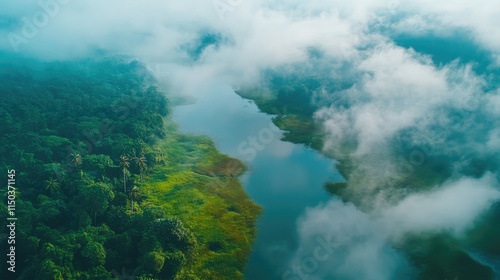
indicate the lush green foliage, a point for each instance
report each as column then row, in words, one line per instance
column 290, row 99
column 89, row 141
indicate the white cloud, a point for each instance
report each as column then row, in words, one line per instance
column 451, row 208
column 396, row 90
column 361, row 245
column 344, row 243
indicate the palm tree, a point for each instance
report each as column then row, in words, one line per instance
column 76, row 159
column 52, row 185
column 141, row 163
column 134, row 194
column 124, row 163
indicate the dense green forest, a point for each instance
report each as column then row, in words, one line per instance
column 105, row 185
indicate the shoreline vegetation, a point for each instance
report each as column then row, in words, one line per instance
column 202, row 189
column 107, row 186
column 435, row 256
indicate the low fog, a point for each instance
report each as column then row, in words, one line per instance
column 399, row 99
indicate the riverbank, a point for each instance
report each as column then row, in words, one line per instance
column 283, row 178
column 295, row 117
column 201, row 187
column 109, row 186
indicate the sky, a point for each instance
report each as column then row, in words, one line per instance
column 449, row 107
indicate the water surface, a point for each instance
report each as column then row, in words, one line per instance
column 284, row 178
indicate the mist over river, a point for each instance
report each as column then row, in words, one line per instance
column 283, row 178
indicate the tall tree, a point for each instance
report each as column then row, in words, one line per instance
column 124, row 163
column 141, row 163
column 97, row 198
column 52, row 185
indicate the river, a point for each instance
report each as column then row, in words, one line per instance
column 283, row 178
